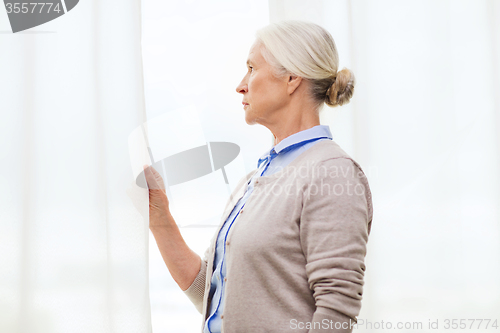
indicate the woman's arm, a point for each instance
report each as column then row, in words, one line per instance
column 334, row 232
column 182, row 262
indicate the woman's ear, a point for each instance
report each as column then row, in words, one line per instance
column 293, row 83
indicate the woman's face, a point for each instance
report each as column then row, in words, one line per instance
column 264, row 95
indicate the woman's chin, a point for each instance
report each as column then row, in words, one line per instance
column 249, row 121
column 248, row 118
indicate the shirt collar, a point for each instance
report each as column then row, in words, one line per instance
column 296, row 139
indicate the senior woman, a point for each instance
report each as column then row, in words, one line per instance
column 289, row 253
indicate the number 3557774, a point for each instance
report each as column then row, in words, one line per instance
column 32, row 7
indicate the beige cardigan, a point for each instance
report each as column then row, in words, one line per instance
column 295, row 254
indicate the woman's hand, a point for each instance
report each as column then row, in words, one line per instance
column 159, row 213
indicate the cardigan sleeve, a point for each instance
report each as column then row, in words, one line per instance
column 334, row 228
column 196, row 290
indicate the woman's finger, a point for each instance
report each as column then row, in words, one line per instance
column 155, row 173
column 159, row 179
column 150, row 178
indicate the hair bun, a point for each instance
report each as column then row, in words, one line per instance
column 342, row 88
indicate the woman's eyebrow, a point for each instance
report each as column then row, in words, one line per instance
column 248, row 62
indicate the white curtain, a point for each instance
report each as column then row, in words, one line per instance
column 73, row 248
column 424, row 123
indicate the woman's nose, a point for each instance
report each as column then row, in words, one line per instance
column 242, row 87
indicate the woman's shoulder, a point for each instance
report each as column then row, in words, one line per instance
column 328, row 151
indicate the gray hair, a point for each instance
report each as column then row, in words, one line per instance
column 307, row 50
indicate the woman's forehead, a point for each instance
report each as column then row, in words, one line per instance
column 254, row 55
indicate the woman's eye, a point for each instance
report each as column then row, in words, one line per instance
column 250, row 69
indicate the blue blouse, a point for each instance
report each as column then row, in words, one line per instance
column 272, row 161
